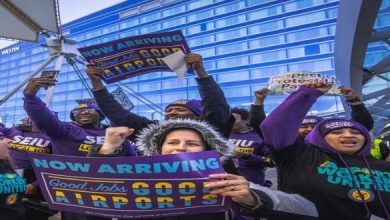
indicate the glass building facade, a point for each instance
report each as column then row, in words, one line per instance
column 243, row 43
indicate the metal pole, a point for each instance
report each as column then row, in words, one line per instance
column 32, row 74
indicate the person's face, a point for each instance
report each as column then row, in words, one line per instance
column 178, row 112
column 305, row 129
column 345, row 140
column 182, row 141
column 4, row 152
column 86, row 116
column 238, row 123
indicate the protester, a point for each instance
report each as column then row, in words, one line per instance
column 68, row 138
column 26, row 137
column 253, row 155
column 184, row 136
column 359, row 113
column 380, row 150
column 213, row 107
column 12, row 185
column 332, row 167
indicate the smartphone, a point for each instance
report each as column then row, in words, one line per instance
column 50, row 73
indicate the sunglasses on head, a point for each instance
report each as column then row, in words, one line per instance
column 83, row 110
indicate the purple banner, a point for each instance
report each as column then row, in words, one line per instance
column 135, row 55
column 130, row 187
column 119, row 96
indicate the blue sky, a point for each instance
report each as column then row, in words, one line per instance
column 73, row 9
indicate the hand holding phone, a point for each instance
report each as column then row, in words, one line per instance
column 50, row 73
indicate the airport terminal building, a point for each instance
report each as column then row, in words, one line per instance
column 243, row 43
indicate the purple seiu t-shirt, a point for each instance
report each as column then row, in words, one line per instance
column 24, row 142
column 67, row 138
column 252, row 166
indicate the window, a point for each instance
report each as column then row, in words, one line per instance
column 313, row 66
column 150, row 17
column 150, row 28
column 250, row 3
column 230, row 21
column 236, row 33
column 266, row 42
column 174, row 11
column 299, row 4
column 238, row 91
column 145, row 87
column 307, row 34
column 129, row 33
column 175, row 83
column 92, row 34
column 233, row 62
column 206, row 52
column 268, row 56
column 265, row 27
column 233, row 76
column 168, row 98
column 230, row 7
column 128, row 24
column 200, row 15
column 110, row 29
column 263, row 13
column 198, row 4
column 174, row 22
column 266, row 72
column 201, row 40
column 232, row 48
column 305, row 19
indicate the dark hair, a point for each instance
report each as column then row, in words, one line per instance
column 241, row 111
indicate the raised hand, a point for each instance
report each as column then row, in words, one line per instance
column 114, row 138
column 195, row 61
column 260, row 95
column 35, row 84
column 234, row 186
column 95, row 73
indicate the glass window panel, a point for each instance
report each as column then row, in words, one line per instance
column 201, row 40
column 110, row 29
column 174, row 10
column 237, row 91
column 226, row 35
column 174, row 22
column 175, row 83
column 193, row 29
column 265, row 12
column 150, row 28
column 232, row 48
column 233, row 62
column 307, row 34
column 296, row 52
column 198, row 4
column 268, row 56
column 200, row 15
column 129, row 33
column 168, row 98
column 92, row 34
column 230, row 7
column 313, row 65
column 305, row 19
column 150, row 17
column 233, row 76
column 145, row 87
column 265, row 27
column 266, row 41
column 129, row 23
column 206, row 52
column 250, row 3
column 236, row 19
column 299, row 4
column 266, row 72
column 209, row 65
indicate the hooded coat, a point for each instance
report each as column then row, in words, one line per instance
column 341, row 186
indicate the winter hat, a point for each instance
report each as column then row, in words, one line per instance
column 193, row 105
column 87, row 105
column 149, row 140
column 311, row 119
column 334, row 124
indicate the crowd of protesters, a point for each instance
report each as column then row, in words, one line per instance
column 327, row 168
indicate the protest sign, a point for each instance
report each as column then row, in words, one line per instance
column 130, row 187
column 134, row 55
column 289, row 82
column 119, row 96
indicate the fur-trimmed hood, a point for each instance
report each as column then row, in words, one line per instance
column 149, row 138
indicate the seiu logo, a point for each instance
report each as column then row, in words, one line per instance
column 241, row 143
column 30, row 141
column 94, row 140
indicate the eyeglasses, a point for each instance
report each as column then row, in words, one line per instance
column 83, row 110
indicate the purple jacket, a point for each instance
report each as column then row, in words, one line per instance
column 67, row 138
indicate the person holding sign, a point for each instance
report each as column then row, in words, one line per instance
column 176, row 136
column 213, row 107
column 26, row 137
column 12, row 185
column 332, row 167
